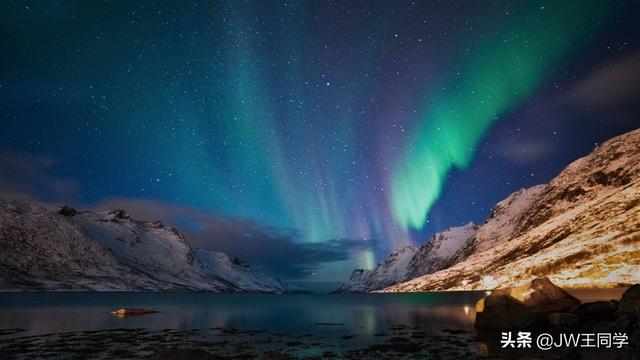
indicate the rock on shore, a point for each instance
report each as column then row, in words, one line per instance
column 543, row 304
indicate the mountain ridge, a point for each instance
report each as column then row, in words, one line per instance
column 108, row 251
column 409, row 262
column 580, row 229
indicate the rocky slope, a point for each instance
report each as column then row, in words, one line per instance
column 240, row 275
column 438, row 253
column 581, row 230
column 392, row 271
column 68, row 250
column 501, row 225
column 408, row 262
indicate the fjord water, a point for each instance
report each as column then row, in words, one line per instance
column 344, row 320
column 366, row 314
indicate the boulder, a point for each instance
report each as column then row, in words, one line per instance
column 501, row 311
column 630, row 302
column 131, row 311
column 563, row 319
column 541, row 295
column 67, row 210
column 115, row 215
column 623, row 323
column 156, row 224
column 634, row 344
column 595, row 311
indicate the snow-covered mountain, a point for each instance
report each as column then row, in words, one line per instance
column 408, row 262
column 44, row 249
column 438, row 253
column 501, row 225
column 392, row 271
column 580, row 230
column 239, row 274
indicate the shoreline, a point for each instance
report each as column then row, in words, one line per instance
column 376, row 292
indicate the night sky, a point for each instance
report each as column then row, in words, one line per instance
column 307, row 137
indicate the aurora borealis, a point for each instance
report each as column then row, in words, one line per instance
column 351, row 127
column 495, row 78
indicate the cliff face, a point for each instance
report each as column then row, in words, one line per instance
column 68, row 250
column 581, row 230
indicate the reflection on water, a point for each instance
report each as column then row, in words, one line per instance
column 41, row 313
column 346, row 320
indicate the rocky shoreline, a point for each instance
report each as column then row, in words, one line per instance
column 396, row 342
column 542, row 307
column 538, row 307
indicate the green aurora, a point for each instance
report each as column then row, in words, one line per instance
column 497, row 77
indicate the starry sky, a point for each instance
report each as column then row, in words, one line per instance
column 307, row 137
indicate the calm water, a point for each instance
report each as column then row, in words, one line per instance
column 42, row 313
column 333, row 317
